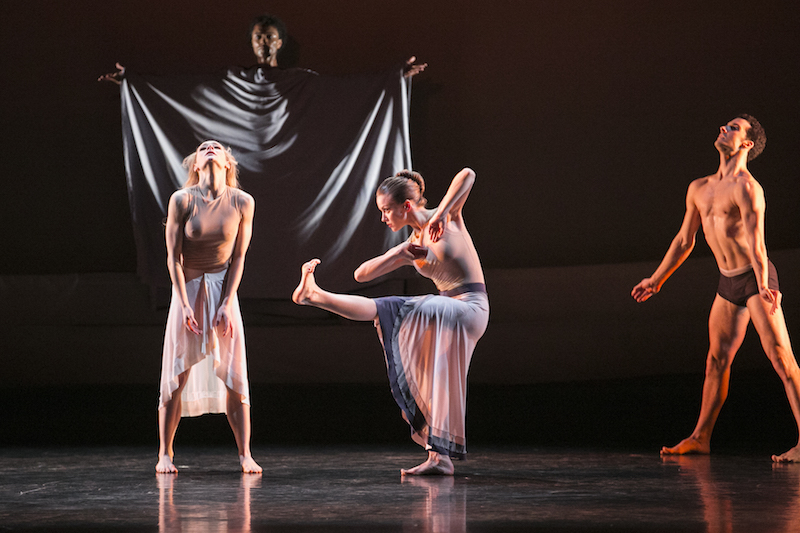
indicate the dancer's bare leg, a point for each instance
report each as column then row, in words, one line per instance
column 727, row 325
column 775, row 341
column 168, row 418
column 239, row 420
column 346, row 305
column 436, row 465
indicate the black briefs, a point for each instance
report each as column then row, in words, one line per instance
column 738, row 289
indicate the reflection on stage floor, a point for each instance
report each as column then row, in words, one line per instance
column 360, row 489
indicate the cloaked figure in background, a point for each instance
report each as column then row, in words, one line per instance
column 272, row 116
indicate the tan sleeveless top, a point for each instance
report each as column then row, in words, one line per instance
column 451, row 262
column 211, row 229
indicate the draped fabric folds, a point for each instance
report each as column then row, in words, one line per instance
column 312, row 150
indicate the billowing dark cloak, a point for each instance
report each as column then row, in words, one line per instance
column 312, row 150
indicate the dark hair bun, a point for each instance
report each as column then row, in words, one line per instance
column 416, row 177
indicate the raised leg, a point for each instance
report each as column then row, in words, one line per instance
column 775, row 341
column 168, row 418
column 727, row 325
column 349, row 306
column 239, row 420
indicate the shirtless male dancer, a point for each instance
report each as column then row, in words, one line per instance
column 729, row 205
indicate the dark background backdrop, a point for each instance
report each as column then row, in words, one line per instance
column 585, row 121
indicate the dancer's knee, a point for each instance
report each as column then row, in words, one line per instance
column 784, row 363
column 718, row 361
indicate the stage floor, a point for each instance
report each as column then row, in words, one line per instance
column 360, row 489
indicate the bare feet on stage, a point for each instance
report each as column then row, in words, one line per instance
column 165, row 465
column 249, row 466
column 792, row 456
column 305, row 290
column 688, row 446
column 436, row 465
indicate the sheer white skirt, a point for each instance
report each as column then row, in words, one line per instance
column 216, row 362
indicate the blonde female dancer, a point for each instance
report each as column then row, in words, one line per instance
column 428, row 340
column 209, row 225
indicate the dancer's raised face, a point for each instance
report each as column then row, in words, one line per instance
column 211, row 151
column 733, row 136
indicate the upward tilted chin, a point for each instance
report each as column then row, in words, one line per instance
column 725, row 150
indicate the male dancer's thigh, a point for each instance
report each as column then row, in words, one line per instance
column 727, row 325
column 771, row 328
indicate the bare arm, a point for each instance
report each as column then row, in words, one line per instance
column 406, row 253
column 176, row 218
column 752, row 206
column 403, row 254
column 236, row 269
column 680, row 248
column 452, row 203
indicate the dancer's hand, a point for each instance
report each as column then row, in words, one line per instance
column 411, row 68
column 436, row 227
column 771, row 296
column 189, row 321
column 223, row 321
column 417, row 251
column 114, row 77
column 644, row 290
column 410, row 252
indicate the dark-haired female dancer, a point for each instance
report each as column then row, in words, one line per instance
column 428, row 340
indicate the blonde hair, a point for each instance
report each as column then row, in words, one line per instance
column 193, row 178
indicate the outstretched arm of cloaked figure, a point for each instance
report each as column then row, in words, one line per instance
column 412, row 68
column 114, row 77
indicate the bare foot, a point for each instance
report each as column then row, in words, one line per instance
column 687, row 446
column 249, row 466
column 792, row 456
column 165, row 465
column 305, row 290
column 436, row 465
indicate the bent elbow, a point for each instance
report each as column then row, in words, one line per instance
column 364, row 274
column 684, row 246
